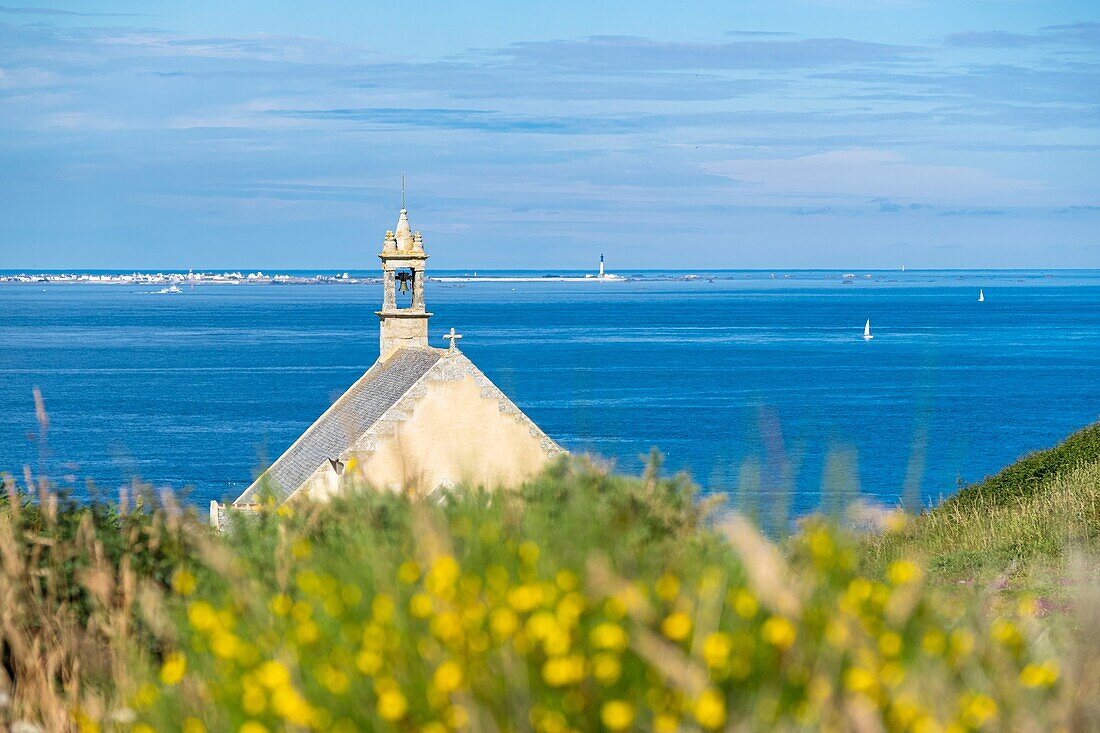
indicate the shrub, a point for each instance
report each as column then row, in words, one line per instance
column 581, row 601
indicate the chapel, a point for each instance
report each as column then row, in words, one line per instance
column 420, row 419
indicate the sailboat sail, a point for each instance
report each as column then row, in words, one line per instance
column 981, row 295
column 867, row 330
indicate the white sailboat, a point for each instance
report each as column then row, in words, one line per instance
column 867, row 331
column 981, row 295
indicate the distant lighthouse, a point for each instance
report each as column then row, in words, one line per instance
column 601, row 266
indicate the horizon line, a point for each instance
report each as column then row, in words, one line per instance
column 275, row 270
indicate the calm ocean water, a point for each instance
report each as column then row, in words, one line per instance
column 732, row 376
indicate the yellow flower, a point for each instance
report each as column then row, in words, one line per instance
column 903, row 572
column 420, row 605
column 441, row 577
column 821, row 544
column 447, row 626
column 926, row 724
column 779, row 632
column 146, row 695
column 667, row 587
column 171, row 672
column 306, row 632
column 333, row 679
column 616, row 715
column 744, row 604
column 859, row 590
column 503, row 622
column 556, row 641
column 609, row 636
column 252, row 726
column 676, row 626
column 858, row 679
column 1028, row 605
column 933, row 643
column 202, row 616
column 292, row 706
column 193, row 725
column 548, row 721
column 1006, row 632
column 368, row 662
column 273, row 674
column 665, row 723
column 456, row 717
column 892, row 674
column 570, row 608
column 614, row 607
column 889, row 644
column 280, row 604
column 301, row 549
column 566, row 580
column 525, row 597
column 224, row 644
column 183, row 582
column 904, row 711
column 710, row 709
column 977, row 709
column 392, row 705
column 447, row 677
column 528, row 553
column 717, row 648
column 962, row 642
column 351, row 594
column 382, row 608
column 606, row 668
column 1039, row 675
column 562, row 671
column 139, row 728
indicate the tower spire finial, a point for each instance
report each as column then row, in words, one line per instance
column 402, row 189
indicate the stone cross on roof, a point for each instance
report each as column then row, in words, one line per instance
column 453, row 338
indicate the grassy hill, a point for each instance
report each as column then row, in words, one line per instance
column 1017, row 530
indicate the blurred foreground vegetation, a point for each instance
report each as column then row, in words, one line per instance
column 582, row 601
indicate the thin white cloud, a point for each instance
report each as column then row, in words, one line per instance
column 841, row 174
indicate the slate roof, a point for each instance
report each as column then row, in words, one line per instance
column 343, row 423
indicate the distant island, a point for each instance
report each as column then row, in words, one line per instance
column 262, row 278
column 173, row 280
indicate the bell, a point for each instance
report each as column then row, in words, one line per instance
column 404, row 285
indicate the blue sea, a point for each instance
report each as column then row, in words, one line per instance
column 757, row 385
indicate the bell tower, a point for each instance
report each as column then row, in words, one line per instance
column 404, row 319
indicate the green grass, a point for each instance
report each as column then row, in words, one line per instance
column 1017, row 530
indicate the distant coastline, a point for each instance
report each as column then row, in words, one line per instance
column 175, row 281
column 178, row 279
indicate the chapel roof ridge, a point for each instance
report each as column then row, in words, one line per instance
column 351, row 415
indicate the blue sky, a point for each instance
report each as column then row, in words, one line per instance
column 779, row 134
